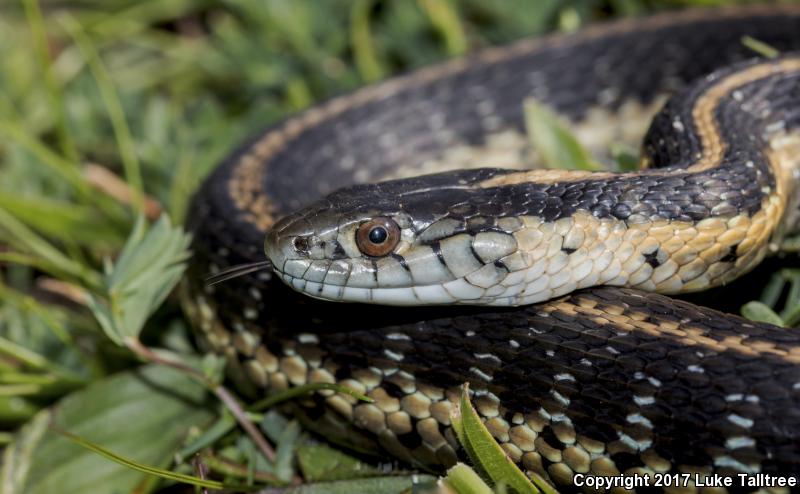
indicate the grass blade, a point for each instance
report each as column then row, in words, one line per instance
column 444, row 18
column 273, row 400
column 554, row 143
column 760, row 48
column 122, row 132
column 36, row 23
column 26, row 239
column 362, row 42
column 158, row 472
column 55, row 162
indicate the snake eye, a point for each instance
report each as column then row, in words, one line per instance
column 377, row 237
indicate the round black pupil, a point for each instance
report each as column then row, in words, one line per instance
column 378, row 235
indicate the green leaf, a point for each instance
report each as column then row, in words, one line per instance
column 756, row 311
column 220, row 428
column 19, row 455
column 150, row 470
column 378, row 485
column 464, row 480
column 150, row 265
column 791, row 244
column 625, row 158
column 569, row 20
column 554, row 143
column 284, row 452
column 272, row 424
column 320, row 462
column 773, row 289
column 485, row 452
column 790, row 314
column 142, row 414
column 16, row 409
column 213, row 367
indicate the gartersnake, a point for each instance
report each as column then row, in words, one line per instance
column 601, row 381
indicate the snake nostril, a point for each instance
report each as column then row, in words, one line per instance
column 300, row 244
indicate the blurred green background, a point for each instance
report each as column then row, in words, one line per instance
column 103, row 102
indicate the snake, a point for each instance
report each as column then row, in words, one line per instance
column 421, row 201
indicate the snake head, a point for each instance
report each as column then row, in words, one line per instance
column 436, row 239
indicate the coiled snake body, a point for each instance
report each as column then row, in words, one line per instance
column 607, row 379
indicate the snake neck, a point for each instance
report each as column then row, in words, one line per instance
column 719, row 194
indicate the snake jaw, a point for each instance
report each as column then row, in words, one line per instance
column 440, row 259
column 423, row 270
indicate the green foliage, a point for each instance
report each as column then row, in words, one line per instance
column 464, row 480
column 553, row 141
column 757, row 311
column 321, row 463
column 394, row 484
column 782, row 290
column 487, row 455
column 760, row 48
column 130, row 464
column 275, row 399
column 149, row 266
column 154, row 406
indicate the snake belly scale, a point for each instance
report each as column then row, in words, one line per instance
column 574, row 364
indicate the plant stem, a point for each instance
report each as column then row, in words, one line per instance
column 225, row 396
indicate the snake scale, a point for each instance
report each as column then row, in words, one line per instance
column 535, row 286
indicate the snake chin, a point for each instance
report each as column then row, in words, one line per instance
column 332, row 293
